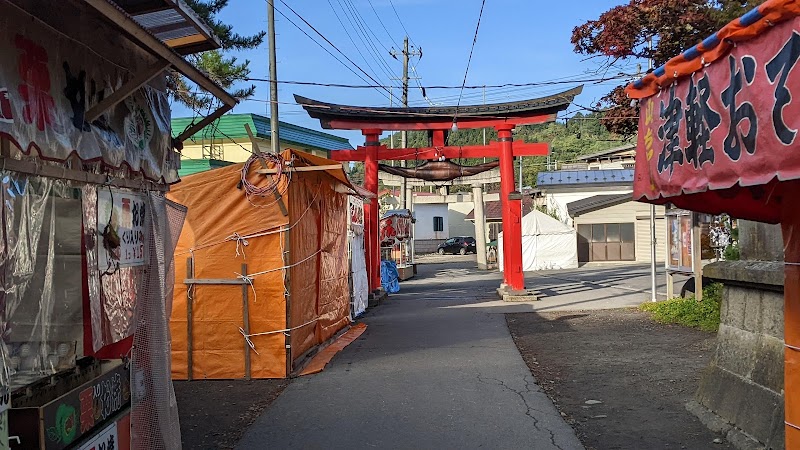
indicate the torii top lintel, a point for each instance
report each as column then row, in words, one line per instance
column 343, row 117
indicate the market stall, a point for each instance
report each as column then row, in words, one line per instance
column 262, row 269
column 395, row 239
column 86, row 156
column 718, row 133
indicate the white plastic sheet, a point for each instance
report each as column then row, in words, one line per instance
column 359, row 268
column 547, row 244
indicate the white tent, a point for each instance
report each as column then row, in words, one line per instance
column 547, row 244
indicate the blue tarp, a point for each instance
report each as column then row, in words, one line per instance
column 390, row 278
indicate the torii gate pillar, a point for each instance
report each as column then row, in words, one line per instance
column 372, row 209
column 511, row 202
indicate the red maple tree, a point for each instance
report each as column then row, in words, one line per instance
column 649, row 29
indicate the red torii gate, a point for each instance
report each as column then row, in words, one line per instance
column 503, row 117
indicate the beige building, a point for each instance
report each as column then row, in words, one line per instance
column 227, row 140
column 616, row 228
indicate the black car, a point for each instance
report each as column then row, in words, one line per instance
column 461, row 245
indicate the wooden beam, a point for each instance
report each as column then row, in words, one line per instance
column 158, row 48
column 492, row 150
column 301, row 169
column 139, row 80
column 257, row 150
column 463, row 123
column 77, row 175
column 216, row 281
column 246, row 326
column 189, row 132
column 189, row 318
column 184, row 41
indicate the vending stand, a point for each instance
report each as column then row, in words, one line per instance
column 86, row 156
column 395, row 238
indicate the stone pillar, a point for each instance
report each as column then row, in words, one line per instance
column 410, row 203
column 480, row 225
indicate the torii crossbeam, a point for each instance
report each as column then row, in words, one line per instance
column 503, row 117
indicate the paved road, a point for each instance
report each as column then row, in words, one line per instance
column 435, row 369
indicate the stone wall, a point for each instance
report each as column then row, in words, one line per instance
column 426, row 246
column 743, row 385
column 760, row 241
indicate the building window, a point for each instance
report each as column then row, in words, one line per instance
column 606, row 242
column 438, row 223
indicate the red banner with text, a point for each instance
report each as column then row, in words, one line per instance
column 729, row 130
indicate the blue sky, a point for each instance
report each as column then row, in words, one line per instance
column 520, row 41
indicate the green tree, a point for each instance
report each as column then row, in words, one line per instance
column 227, row 71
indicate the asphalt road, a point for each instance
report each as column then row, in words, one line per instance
column 436, row 368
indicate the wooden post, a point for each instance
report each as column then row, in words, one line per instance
column 287, row 258
column 670, row 285
column 246, row 324
column 189, row 312
column 697, row 260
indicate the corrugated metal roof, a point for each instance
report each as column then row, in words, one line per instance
column 172, row 22
column 608, row 153
column 584, row 177
column 192, row 166
column 596, row 202
column 232, row 125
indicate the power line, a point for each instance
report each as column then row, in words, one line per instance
column 401, row 23
column 334, row 46
column 469, row 61
column 349, row 36
column 465, row 87
column 365, row 30
column 322, row 47
column 382, row 24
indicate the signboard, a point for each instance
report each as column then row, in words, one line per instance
column 48, row 84
column 395, row 228
column 680, row 241
column 122, row 234
column 732, row 124
column 79, row 411
column 105, row 440
column 356, row 214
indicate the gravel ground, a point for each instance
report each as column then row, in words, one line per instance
column 620, row 379
column 215, row 414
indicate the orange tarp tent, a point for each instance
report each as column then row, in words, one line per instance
column 297, row 271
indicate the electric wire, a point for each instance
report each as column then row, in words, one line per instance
column 363, row 29
column 349, row 36
column 382, row 24
column 322, row 47
column 333, row 45
column 469, row 61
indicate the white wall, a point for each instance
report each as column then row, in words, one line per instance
column 424, row 214
column 558, row 201
column 457, row 225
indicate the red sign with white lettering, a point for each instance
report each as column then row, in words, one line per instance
column 731, row 127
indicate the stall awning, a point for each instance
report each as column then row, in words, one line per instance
column 718, row 124
column 174, row 23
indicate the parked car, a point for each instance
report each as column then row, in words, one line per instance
column 461, row 245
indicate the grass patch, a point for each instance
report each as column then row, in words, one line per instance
column 688, row 311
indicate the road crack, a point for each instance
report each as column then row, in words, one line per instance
column 521, row 394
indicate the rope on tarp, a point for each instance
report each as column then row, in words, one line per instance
column 286, row 331
column 280, row 229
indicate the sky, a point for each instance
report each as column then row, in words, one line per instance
column 519, row 41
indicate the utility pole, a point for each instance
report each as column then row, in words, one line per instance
column 406, row 53
column 654, row 240
column 273, row 81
